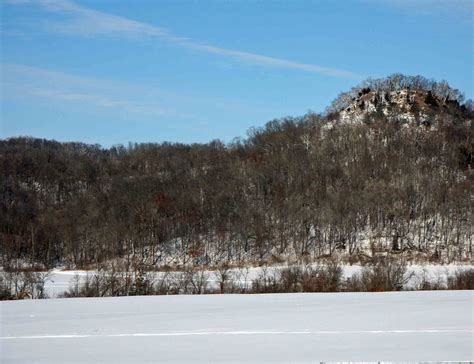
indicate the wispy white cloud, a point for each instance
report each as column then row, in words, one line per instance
column 270, row 61
column 87, row 21
column 84, row 21
column 60, row 95
column 19, row 81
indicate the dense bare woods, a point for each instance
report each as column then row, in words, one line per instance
column 295, row 189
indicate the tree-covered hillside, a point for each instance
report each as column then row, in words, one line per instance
column 296, row 188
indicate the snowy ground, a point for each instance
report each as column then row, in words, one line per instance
column 393, row 326
column 60, row 280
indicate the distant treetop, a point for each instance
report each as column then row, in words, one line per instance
column 397, row 82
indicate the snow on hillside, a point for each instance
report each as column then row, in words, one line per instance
column 392, row 326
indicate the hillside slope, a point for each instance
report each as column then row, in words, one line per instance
column 294, row 189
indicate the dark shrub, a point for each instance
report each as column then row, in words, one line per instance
column 462, row 280
column 308, row 278
column 386, row 274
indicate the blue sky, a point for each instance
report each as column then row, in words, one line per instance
column 111, row 72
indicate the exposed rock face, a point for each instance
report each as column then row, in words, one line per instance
column 407, row 106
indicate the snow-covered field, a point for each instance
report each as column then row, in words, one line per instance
column 392, row 326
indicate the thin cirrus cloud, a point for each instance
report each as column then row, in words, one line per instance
column 19, row 81
column 88, row 22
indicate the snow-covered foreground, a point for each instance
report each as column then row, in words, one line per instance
column 393, row 326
